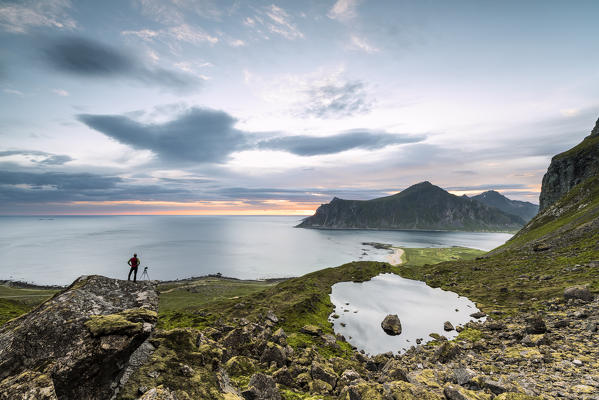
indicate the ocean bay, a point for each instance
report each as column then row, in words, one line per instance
column 56, row 250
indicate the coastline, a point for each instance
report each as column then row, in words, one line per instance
column 329, row 228
column 397, row 258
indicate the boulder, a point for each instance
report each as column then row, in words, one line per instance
column 311, row 330
column 274, row 353
column 79, row 342
column 323, row 373
column 535, row 325
column 445, row 352
column 391, row 325
column 461, row 376
column 270, row 315
column 478, row 314
column 261, row 387
column 448, row 326
column 578, row 292
column 159, row 393
column 394, row 371
column 459, row 393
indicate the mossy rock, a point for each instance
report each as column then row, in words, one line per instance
column 470, row 335
column 516, row 396
column 458, row 392
column 112, row 324
column 400, row 390
column 240, row 365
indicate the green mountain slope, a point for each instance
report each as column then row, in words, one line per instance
column 421, row 206
column 523, row 209
column 556, row 249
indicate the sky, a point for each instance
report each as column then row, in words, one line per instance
column 275, row 107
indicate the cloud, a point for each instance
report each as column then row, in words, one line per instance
column 360, row 139
column 13, row 91
column 275, row 20
column 191, row 34
column 498, row 186
column 237, row 43
column 38, row 157
column 343, row 10
column 58, row 180
column 280, row 23
column 20, row 17
column 60, row 92
column 174, row 11
column 335, row 99
column 31, row 187
column 361, row 44
column 198, row 135
column 88, row 58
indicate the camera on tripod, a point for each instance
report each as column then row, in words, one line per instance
column 145, row 275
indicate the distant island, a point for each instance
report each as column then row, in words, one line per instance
column 423, row 206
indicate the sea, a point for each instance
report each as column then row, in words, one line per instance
column 57, row 250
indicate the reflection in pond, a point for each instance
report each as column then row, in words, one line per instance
column 361, row 307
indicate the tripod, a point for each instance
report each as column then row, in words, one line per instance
column 145, row 275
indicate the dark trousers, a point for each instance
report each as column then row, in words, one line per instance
column 133, row 269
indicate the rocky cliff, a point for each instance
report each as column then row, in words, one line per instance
column 570, row 168
column 77, row 344
column 422, row 206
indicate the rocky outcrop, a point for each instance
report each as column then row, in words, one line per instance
column 77, row 344
column 570, row 168
column 421, row 206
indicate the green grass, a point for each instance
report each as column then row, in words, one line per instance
column 578, row 207
column 16, row 301
column 192, row 294
column 422, row 256
column 581, row 149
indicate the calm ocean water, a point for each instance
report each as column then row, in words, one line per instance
column 59, row 249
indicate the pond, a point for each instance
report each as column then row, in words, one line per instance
column 422, row 310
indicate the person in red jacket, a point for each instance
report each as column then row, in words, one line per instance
column 133, row 263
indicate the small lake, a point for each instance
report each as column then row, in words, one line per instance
column 421, row 309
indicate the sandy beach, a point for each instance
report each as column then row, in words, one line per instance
column 396, row 257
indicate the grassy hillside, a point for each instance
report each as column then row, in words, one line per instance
column 555, row 250
column 16, row 301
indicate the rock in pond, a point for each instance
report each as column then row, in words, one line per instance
column 77, row 344
column 448, row 326
column 391, row 325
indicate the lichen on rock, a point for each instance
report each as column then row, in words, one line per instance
column 78, row 343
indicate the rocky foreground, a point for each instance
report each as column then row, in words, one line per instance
column 96, row 340
column 550, row 355
column 78, row 344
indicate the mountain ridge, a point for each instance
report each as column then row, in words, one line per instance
column 523, row 209
column 422, row 206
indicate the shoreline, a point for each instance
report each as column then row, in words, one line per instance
column 396, row 258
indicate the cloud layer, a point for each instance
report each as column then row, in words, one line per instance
column 198, row 135
column 313, row 145
column 209, row 136
column 88, row 58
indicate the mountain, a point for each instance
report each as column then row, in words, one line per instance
column 570, row 168
column 423, row 206
column 523, row 209
column 553, row 251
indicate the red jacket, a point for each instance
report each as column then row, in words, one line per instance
column 134, row 262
